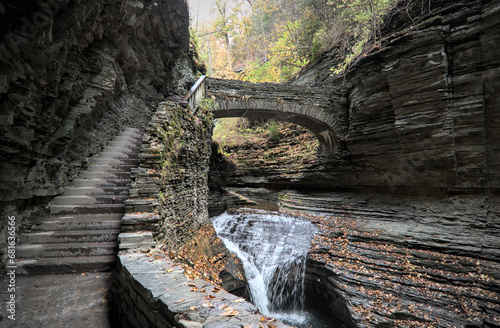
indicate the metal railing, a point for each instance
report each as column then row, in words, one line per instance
column 195, row 94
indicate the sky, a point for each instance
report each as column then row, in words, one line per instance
column 200, row 10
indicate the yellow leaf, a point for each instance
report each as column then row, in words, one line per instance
column 230, row 313
column 180, row 301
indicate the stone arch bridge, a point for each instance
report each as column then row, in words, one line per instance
column 323, row 111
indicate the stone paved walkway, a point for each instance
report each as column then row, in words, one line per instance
column 63, row 262
column 60, row 301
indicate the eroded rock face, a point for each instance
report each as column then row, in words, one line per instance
column 423, row 109
column 73, row 74
column 406, row 261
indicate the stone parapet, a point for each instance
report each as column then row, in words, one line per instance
column 155, row 292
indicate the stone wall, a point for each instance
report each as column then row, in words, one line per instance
column 159, row 281
column 423, row 107
column 157, row 293
column 72, row 75
column 169, row 196
column 181, row 143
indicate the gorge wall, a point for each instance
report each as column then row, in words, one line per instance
column 72, row 74
column 423, row 106
column 423, row 119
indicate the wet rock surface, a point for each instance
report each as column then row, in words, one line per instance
column 407, row 261
column 60, row 301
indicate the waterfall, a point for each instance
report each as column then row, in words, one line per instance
column 273, row 249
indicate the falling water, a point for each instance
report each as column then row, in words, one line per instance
column 273, row 248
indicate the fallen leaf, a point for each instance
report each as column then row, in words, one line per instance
column 194, row 289
column 270, row 325
column 179, row 301
column 208, row 305
column 203, row 290
column 190, row 284
column 230, row 313
column 215, row 290
column 193, row 308
column 170, row 270
column 239, row 300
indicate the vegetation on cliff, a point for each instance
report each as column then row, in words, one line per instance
column 271, row 40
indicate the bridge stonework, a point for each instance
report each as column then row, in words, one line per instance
column 323, row 111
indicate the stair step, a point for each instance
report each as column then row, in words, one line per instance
column 96, row 191
column 66, row 250
column 113, row 161
column 89, row 200
column 111, row 168
column 122, row 144
column 87, row 209
column 116, row 155
column 125, row 137
column 101, row 182
column 104, row 175
column 66, row 265
column 79, row 222
column 72, row 236
column 123, row 150
column 136, row 133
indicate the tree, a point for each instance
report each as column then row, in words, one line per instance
column 270, row 40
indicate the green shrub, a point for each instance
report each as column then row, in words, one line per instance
column 273, row 131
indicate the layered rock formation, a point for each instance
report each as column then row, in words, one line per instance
column 72, row 75
column 423, row 106
column 405, row 261
column 169, row 195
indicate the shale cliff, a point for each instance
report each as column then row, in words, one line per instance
column 72, row 74
column 423, row 106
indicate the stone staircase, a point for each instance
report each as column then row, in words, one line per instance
column 81, row 234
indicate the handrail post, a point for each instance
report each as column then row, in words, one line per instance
column 195, row 94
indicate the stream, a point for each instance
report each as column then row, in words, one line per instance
column 273, row 249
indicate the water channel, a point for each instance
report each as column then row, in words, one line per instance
column 273, row 248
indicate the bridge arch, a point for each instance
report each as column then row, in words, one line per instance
column 326, row 137
column 320, row 110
